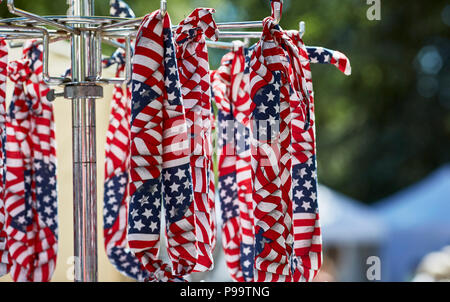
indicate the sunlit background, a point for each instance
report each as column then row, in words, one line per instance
column 383, row 133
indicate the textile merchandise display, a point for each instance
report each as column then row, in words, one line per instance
column 160, row 162
column 30, row 188
column 117, row 166
column 5, row 261
column 192, row 58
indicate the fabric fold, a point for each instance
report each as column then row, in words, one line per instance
column 192, row 58
column 160, row 164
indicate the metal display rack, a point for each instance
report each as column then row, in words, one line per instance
column 86, row 33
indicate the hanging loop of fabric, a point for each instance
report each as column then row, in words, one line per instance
column 5, row 258
column 192, row 58
column 271, row 159
column 277, row 10
column 160, row 163
column 294, row 69
column 117, row 168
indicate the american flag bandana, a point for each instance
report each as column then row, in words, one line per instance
column 212, row 181
column 5, row 260
column 307, row 234
column 192, row 58
column 117, row 167
column 30, row 189
column 230, row 84
column 228, row 188
column 271, row 86
column 160, row 162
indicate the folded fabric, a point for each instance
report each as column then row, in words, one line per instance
column 270, row 85
column 117, row 166
column 228, row 191
column 5, row 261
column 192, row 59
column 160, row 161
column 30, row 188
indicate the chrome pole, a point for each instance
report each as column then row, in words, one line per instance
column 84, row 148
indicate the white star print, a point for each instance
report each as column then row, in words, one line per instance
column 167, row 175
column 138, row 225
column 147, row 213
column 21, row 219
column 153, row 226
column 173, row 212
column 180, row 173
column 302, row 172
column 308, row 184
column 109, row 219
column 157, row 202
column 262, row 108
column 270, row 96
column 173, row 70
column 299, row 194
column 313, row 196
column 180, row 199
column 306, row 205
column 246, row 250
column 143, row 200
column 174, row 187
column 187, row 184
column 48, row 210
column 319, row 50
column 228, row 180
column 134, row 213
column 49, row 221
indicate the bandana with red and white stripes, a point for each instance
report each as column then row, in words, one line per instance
column 192, row 59
column 30, row 193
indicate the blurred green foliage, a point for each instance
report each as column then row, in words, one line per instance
column 388, row 124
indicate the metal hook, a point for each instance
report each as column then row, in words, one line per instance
column 301, row 27
column 277, row 8
column 163, row 7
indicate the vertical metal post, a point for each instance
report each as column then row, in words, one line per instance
column 84, row 148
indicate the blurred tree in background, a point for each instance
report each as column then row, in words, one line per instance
column 388, row 124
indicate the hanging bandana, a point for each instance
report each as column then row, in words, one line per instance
column 117, row 167
column 5, row 261
column 228, row 188
column 271, row 159
column 192, row 57
column 160, row 170
column 307, row 234
column 31, row 196
column 240, row 101
column 230, row 84
column 212, row 181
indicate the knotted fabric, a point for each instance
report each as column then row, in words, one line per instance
column 192, row 58
column 5, row 260
column 31, row 195
column 160, row 162
column 117, row 167
column 271, row 87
